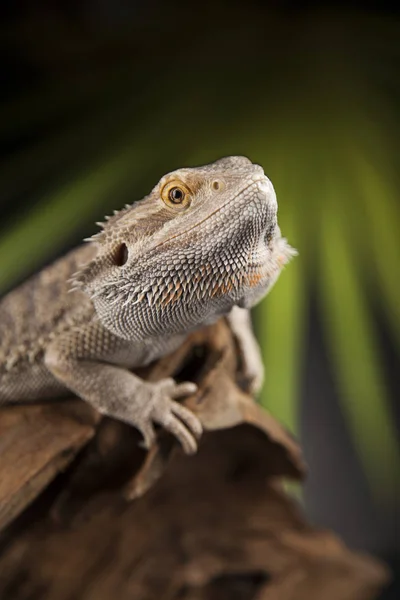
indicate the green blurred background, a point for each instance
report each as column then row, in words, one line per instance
column 99, row 98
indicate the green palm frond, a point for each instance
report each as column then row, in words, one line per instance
column 354, row 349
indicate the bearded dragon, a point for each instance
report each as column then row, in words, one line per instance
column 203, row 244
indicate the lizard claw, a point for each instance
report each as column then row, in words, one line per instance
column 149, row 435
column 161, row 408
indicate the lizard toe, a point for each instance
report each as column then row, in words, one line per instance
column 175, row 426
column 180, row 390
column 188, row 418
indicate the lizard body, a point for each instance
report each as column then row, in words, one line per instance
column 204, row 243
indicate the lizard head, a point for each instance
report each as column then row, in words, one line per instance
column 204, row 239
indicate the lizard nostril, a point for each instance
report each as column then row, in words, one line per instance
column 217, row 185
column 121, row 255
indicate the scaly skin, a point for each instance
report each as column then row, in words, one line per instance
column 204, row 243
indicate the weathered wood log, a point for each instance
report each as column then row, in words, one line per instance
column 100, row 518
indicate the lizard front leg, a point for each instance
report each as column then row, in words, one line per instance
column 81, row 360
column 240, row 322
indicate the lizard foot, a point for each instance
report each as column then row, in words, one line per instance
column 254, row 374
column 160, row 407
column 252, row 362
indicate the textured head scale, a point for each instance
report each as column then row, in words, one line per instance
column 204, row 239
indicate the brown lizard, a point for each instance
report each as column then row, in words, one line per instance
column 204, row 243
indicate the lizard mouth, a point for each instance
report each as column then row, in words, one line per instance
column 255, row 183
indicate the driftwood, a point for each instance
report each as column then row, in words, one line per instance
column 87, row 514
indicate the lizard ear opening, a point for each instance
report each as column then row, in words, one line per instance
column 121, row 255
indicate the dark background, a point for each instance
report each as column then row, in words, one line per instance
column 99, row 98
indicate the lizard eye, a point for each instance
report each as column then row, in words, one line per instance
column 121, row 255
column 176, row 195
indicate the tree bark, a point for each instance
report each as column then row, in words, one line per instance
column 87, row 514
